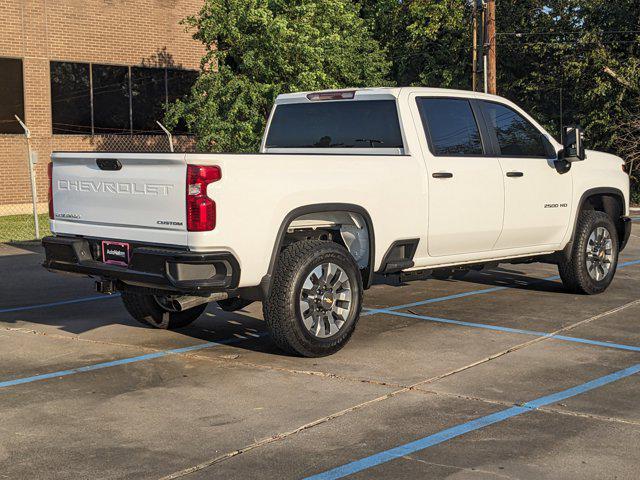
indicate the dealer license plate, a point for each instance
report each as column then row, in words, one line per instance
column 115, row 253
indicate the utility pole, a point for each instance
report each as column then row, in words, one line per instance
column 474, row 78
column 491, row 86
column 561, row 118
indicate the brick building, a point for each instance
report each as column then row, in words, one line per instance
column 87, row 75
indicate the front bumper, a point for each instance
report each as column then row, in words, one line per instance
column 152, row 267
column 626, row 232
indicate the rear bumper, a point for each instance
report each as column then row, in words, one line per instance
column 153, row 267
column 626, row 232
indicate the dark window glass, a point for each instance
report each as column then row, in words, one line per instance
column 179, row 83
column 451, row 125
column 118, row 97
column 149, row 98
column 11, row 95
column 70, row 98
column 516, row 136
column 348, row 124
column 110, row 99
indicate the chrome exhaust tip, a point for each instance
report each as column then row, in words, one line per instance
column 180, row 304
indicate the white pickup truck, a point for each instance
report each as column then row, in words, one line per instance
column 393, row 181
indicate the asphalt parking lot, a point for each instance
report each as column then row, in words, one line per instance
column 500, row 375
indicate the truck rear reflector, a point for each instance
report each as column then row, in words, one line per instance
column 50, row 196
column 201, row 210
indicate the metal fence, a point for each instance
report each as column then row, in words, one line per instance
column 17, row 205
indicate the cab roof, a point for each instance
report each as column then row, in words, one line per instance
column 378, row 93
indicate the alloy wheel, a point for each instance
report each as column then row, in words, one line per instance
column 599, row 253
column 325, row 300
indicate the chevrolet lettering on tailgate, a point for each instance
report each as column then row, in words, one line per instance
column 116, row 188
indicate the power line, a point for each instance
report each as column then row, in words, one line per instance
column 575, row 42
column 601, row 32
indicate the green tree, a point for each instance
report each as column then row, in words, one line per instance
column 257, row 49
column 428, row 40
column 583, row 50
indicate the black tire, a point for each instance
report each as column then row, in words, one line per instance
column 573, row 270
column 447, row 273
column 233, row 304
column 148, row 311
column 282, row 309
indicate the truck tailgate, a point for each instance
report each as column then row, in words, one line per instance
column 96, row 193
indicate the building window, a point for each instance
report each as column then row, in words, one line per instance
column 109, row 99
column 149, row 97
column 12, row 95
column 70, row 98
column 179, row 83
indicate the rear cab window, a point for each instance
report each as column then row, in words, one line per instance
column 354, row 125
column 451, row 127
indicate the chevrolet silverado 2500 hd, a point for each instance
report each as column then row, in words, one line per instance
column 347, row 184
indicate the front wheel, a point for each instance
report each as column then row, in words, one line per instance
column 156, row 311
column 315, row 299
column 594, row 256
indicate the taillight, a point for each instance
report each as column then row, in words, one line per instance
column 201, row 210
column 50, row 195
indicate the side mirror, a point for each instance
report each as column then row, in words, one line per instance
column 573, row 145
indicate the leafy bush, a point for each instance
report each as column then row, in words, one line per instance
column 257, row 49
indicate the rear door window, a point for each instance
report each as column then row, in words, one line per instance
column 450, row 126
column 516, row 136
column 340, row 124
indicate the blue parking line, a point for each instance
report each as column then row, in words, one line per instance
column 534, row 333
column 57, row 304
column 473, row 425
column 115, row 363
column 373, row 311
column 390, row 310
column 368, row 311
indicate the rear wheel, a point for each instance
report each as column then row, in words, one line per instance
column 594, row 256
column 315, row 299
column 156, row 311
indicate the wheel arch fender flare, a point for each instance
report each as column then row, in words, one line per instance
column 267, row 280
column 583, row 199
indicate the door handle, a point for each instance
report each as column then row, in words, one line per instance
column 442, row 175
column 515, row 174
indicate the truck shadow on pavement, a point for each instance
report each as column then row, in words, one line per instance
column 68, row 304
column 501, row 277
column 498, row 277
